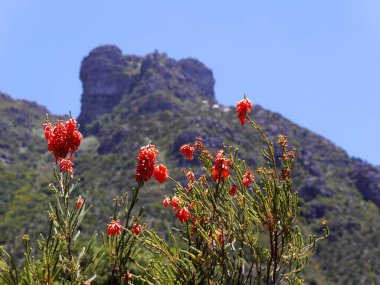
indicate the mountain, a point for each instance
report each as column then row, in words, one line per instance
column 129, row 101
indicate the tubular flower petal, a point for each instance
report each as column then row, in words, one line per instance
column 136, row 228
column 66, row 165
column 175, row 203
column 188, row 151
column 114, row 228
column 183, row 215
column 161, row 173
column 80, row 202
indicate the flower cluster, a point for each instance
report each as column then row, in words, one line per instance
column 221, row 169
column 248, row 177
column 136, row 228
column 244, row 106
column 114, row 228
column 183, row 213
column 63, row 139
column 146, row 163
column 146, row 166
column 188, row 151
column 66, row 165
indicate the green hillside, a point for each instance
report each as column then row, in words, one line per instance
column 129, row 101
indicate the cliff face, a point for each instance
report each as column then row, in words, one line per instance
column 130, row 101
column 107, row 76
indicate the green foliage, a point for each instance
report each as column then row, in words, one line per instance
column 250, row 238
column 106, row 166
column 60, row 256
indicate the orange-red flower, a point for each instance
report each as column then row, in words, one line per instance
column 63, row 139
column 146, row 163
column 243, row 107
column 136, row 228
column 80, row 202
column 66, row 165
column 114, row 228
column 221, row 169
column 160, row 173
column 175, row 203
column 187, row 150
column 183, row 215
column 248, row 177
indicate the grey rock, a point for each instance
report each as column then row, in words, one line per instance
column 367, row 180
column 108, row 76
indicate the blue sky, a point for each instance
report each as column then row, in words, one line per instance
column 315, row 62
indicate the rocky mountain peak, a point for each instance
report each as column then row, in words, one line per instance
column 108, row 76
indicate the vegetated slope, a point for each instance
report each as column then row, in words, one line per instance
column 129, row 101
column 24, row 168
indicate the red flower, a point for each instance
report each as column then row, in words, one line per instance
column 161, row 173
column 221, row 169
column 175, row 203
column 80, row 202
column 136, row 228
column 114, row 228
column 183, row 215
column 243, row 107
column 166, row 202
column 248, row 177
column 187, row 150
column 190, row 176
column 146, row 162
column 233, row 190
column 66, row 166
column 62, row 139
column 74, row 137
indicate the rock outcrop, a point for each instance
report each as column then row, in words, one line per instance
column 367, row 180
column 108, row 76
